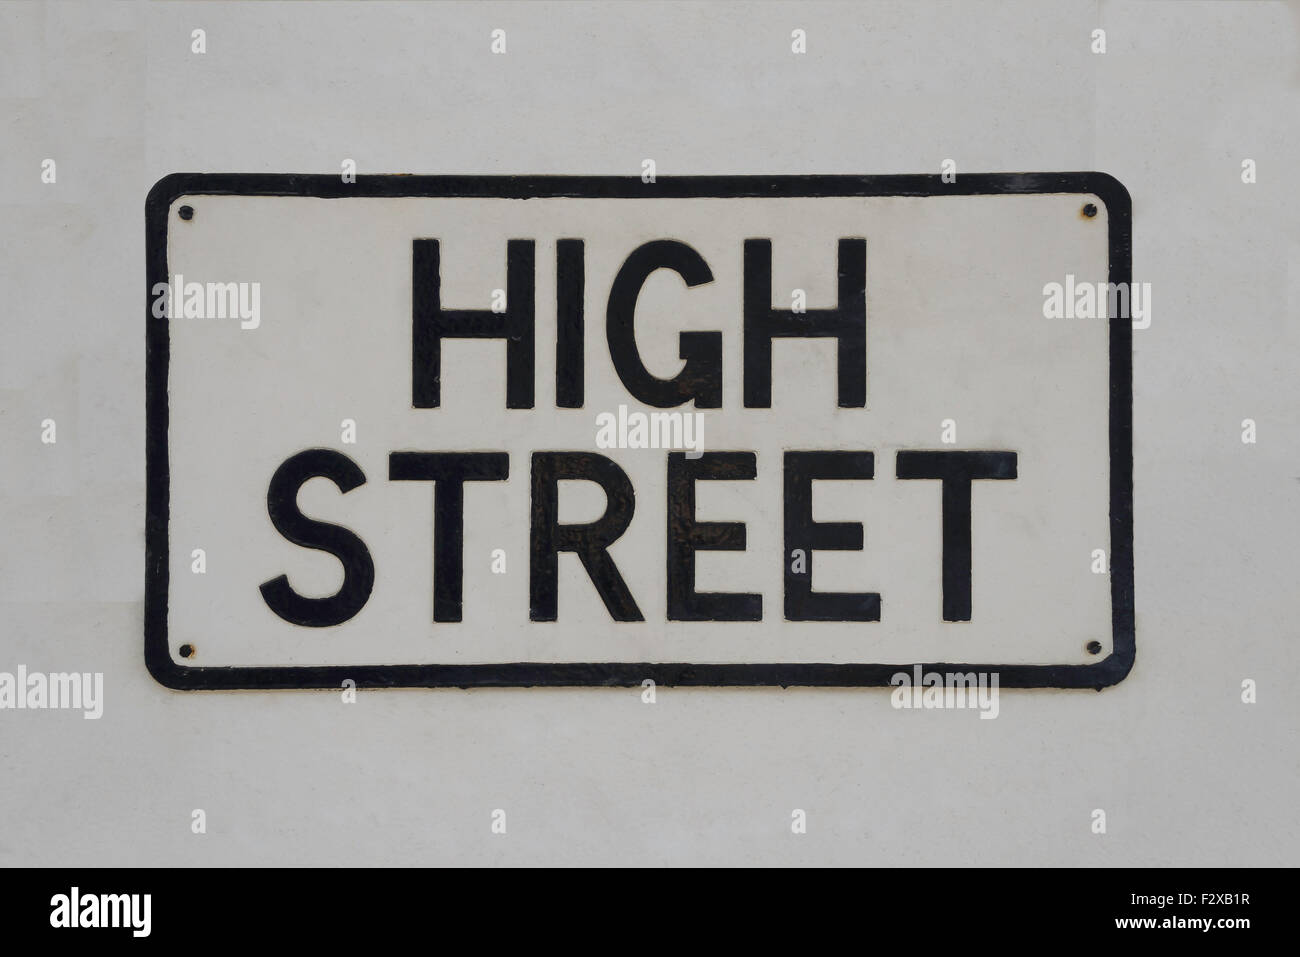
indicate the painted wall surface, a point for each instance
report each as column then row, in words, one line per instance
column 1192, row 758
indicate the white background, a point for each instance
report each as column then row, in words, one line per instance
column 955, row 330
column 1186, row 773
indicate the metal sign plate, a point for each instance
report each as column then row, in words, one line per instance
column 466, row 431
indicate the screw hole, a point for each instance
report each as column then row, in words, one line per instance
column 1094, row 647
column 186, row 213
column 187, row 651
column 1090, row 210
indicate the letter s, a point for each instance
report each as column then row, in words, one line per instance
column 345, row 545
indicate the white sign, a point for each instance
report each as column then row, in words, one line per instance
column 460, row 431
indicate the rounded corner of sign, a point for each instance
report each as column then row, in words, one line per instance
column 169, row 189
column 1112, row 194
column 167, row 672
column 1115, row 668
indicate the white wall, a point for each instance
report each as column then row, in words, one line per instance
column 1186, row 773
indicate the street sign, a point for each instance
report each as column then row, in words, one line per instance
column 517, row 431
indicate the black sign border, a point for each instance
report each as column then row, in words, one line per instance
column 1100, row 674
